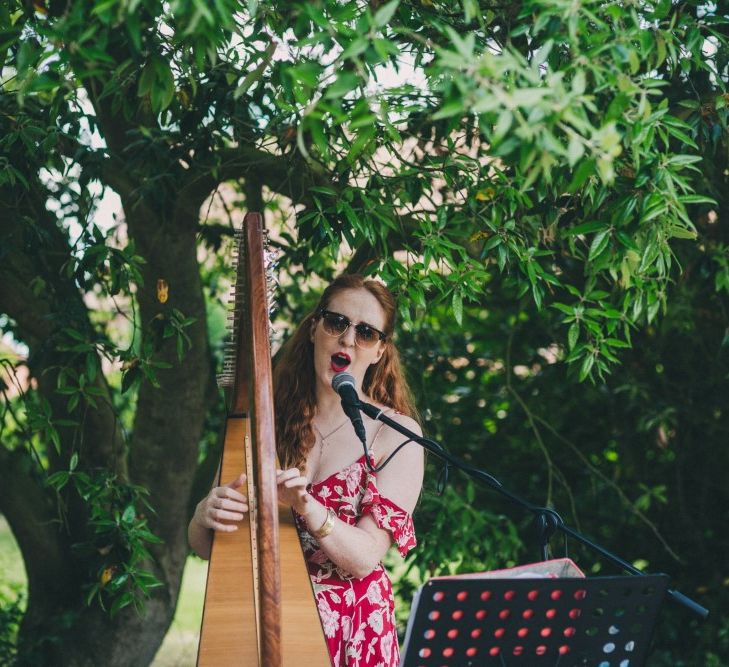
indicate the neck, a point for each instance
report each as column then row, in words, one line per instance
column 328, row 405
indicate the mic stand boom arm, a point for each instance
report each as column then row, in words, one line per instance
column 546, row 520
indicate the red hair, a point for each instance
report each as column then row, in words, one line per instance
column 294, row 377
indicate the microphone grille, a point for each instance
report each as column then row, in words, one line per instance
column 340, row 379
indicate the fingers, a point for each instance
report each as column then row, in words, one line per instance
column 224, row 503
column 231, row 505
column 238, row 481
column 214, row 518
column 292, row 488
column 296, row 482
column 224, row 515
column 291, row 478
column 225, row 507
column 228, row 490
column 223, row 527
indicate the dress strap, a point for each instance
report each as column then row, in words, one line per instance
column 371, row 448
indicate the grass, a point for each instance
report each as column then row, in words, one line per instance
column 179, row 648
column 12, row 571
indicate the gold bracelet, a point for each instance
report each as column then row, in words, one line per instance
column 328, row 525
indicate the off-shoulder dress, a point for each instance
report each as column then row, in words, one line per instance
column 358, row 615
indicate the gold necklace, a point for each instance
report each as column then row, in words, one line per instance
column 323, row 439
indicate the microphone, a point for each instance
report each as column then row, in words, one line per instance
column 343, row 384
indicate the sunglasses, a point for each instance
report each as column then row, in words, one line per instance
column 336, row 324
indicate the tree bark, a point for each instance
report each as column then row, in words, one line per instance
column 58, row 627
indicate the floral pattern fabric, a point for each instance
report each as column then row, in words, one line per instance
column 358, row 615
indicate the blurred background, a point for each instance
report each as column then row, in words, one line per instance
column 544, row 187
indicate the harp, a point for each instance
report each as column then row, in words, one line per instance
column 259, row 606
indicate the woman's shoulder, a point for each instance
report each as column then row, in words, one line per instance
column 405, row 420
column 387, row 439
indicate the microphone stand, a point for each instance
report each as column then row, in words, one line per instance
column 546, row 520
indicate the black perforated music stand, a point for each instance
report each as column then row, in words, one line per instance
column 595, row 622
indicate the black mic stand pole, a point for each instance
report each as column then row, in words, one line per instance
column 546, row 520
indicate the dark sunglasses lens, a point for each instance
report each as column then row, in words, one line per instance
column 366, row 336
column 335, row 324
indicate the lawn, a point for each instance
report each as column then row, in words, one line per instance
column 12, row 572
column 179, row 648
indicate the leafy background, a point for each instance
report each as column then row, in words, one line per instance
column 544, row 186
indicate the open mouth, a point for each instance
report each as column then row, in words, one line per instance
column 340, row 362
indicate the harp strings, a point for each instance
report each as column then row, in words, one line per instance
column 237, row 301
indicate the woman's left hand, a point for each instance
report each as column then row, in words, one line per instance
column 292, row 489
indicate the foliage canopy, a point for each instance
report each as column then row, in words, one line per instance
column 544, row 173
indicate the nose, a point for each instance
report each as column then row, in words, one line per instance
column 348, row 337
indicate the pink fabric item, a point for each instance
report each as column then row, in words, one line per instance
column 358, row 615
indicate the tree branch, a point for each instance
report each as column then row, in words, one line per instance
column 289, row 175
column 35, row 292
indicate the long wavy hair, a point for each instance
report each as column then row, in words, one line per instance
column 295, row 382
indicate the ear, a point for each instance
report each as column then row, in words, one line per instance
column 380, row 352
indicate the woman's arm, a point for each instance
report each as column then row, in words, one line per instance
column 358, row 549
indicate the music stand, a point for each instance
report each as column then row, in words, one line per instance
column 565, row 622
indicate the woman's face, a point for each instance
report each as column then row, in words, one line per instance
column 334, row 354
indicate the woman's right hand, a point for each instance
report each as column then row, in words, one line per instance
column 223, row 503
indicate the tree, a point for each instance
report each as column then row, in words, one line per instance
column 547, row 154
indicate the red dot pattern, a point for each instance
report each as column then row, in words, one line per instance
column 465, row 627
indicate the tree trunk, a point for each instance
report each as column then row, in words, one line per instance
column 58, row 627
column 88, row 637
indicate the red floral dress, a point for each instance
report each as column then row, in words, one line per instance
column 358, row 615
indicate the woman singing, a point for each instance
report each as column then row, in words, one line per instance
column 347, row 516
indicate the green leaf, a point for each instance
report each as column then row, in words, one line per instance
column 682, row 136
column 575, row 150
column 93, row 591
column 345, row 82
column 91, row 366
column 457, row 305
column 360, row 143
column 449, row 109
column 129, row 514
column 572, row 335
column 697, row 199
column 325, row 190
column 616, row 342
column 131, row 377
column 599, row 243
column 146, row 79
column 122, row 601
column 584, row 170
column 585, row 228
column 528, row 97
column 563, row 307
column 679, row 232
column 654, row 212
column 492, row 242
column 506, row 118
column 586, row 367
column 58, row 479
column 626, row 241
column 355, row 48
column 384, row 14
